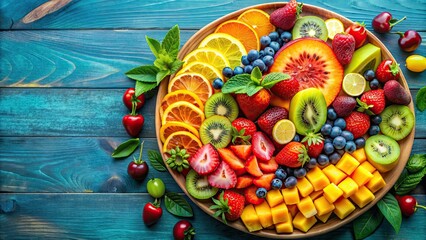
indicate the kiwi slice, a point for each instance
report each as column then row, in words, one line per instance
column 382, row 152
column 221, row 104
column 310, row 26
column 308, row 110
column 397, row 121
column 216, row 130
column 198, row 186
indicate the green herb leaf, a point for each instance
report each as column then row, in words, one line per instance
column 177, row 205
column 421, row 99
column 253, row 89
column 164, row 61
column 176, row 65
column 256, row 75
column 143, row 87
column 367, row 223
column 126, row 148
column 156, row 161
column 273, row 78
column 416, row 163
column 171, row 42
column 146, row 73
column 161, row 75
column 237, row 84
column 408, row 182
column 389, row 207
column 154, row 45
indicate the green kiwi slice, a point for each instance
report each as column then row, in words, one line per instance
column 397, row 121
column 221, row 104
column 216, row 130
column 382, row 152
column 310, row 26
column 198, row 186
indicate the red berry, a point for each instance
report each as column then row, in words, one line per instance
column 183, row 230
column 129, row 97
column 286, row 89
column 358, row 31
column 267, row 120
column 223, row 177
column 387, row 70
column 357, row 123
column 344, row 47
column 152, row 212
column 408, row 204
column 286, row 16
column 409, row 41
column 384, row 22
column 374, row 101
column 263, row 148
column 205, row 160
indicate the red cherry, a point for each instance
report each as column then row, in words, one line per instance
column 384, row 22
column 409, row 41
column 129, row 97
column 408, row 205
column 152, row 212
column 138, row 169
column 183, row 230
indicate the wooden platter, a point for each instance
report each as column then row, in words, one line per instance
column 334, row 222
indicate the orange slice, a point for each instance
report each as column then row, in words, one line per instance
column 172, row 127
column 205, row 69
column 258, row 20
column 207, row 55
column 184, row 140
column 180, row 95
column 241, row 31
column 192, row 82
column 183, row 112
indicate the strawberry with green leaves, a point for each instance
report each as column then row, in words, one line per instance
column 293, row 155
column 372, row 101
column 286, row 17
column 387, row 70
column 357, row 123
column 229, row 205
column 314, row 142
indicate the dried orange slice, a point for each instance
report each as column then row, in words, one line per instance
column 192, row 82
column 172, row 127
column 205, row 69
column 184, row 140
column 180, row 95
column 183, row 112
column 207, row 55
column 241, row 31
column 258, row 20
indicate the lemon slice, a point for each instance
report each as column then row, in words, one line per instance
column 283, row 131
column 207, row 55
column 353, row 84
column 334, row 26
column 205, row 69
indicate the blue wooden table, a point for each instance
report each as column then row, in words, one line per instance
column 62, row 65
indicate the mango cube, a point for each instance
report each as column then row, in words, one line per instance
column 367, row 165
column 292, row 209
column 348, row 186
column 332, row 192
column 250, row 219
column 376, row 183
column 343, row 207
column 285, row 227
column 304, row 186
column 323, row 218
column 280, row 213
column 306, row 207
column 361, row 176
column 334, row 174
column 323, row 206
column 302, row 223
column 359, row 155
column 291, row 195
column 362, row 197
column 264, row 213
column 317, row 178
column 316, row 194
column 347, row 164
column 274, row 197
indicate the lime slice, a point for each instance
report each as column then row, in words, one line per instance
column 334, row 26
column 283, row 131
column 353, row 84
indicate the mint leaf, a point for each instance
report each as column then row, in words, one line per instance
column 176, row 65
column 156, row 161
column 143, row 87
column 416, row 163
column 154, row 45
column 161, row 75
column 273, row 78
column 237, row 84
column 389, row 207
column 177, row 205
column 126, row 148
column 256, row 75
column 171, row 42
column 253, row 89
column 421, row 99
column 367, row 223
column 164, row 61
column 146, row 73
column 408, row 182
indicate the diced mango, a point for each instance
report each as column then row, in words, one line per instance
column 376, row 183
column 332, row 192
column 302, row 223
column 317, row 178
column 304, row 186
column 334, row 174
column 292, row 209
column 316, row 194
column 291, row 195
column 359, row 155
column 264, row 213
column 347, row 164
column 343, row 207
column 361, row 176
column 306, row 207
column 250, row 219
column 323, row 218
column 323, row 206
column 362, row 197
column 367, row 165
column 274, row 197
column 280, row 213
column 285, row 227
column 348, row 186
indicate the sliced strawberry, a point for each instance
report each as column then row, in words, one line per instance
column 268, row 167
column 205, row 160
column 231, row 159
column 264, row 181
column 244, row 181
column 252, row 167
column 224, row 177
column 263, row 148
column 251, row 197
column 240, row 172
column 242, row 151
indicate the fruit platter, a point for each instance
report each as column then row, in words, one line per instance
column 281, row 127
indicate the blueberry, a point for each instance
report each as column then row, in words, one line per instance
column 374, row 84
column 290, row 172
column 238, row 70
column 328, row 148
column 244, row 60
column 335, row 132
column 347, row 135
column 300, row 172
column 252, row 55
column 296, row 138
column 374, row 130
column 341, row 151
column 339, row 142
column 274, row 36
column 341, row 123
column 276, row 183
column 331, row 122
column 328, row 140
column 331, row 114
column 326, row 129
column 312, row 163
column 360, row 142
column 268, row 60
column 376, row 119
column 334, row 158
column 350, row 146
column 260, row 64
column 280, row 41
column 290, row 182
column 280, row 31
column 248, row 68
column 227, row 72
column 369, row 75
column 265, row 41
column 275, row 45
column 269, row 51
column 261, row 192
column 286, row 37
column 217, row 83
column 281, row 174
column 323, row 160
column 261, row 54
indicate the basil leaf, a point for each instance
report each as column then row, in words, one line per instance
column 154, row 45
column 408, row 182
column 156, row 161
column 389, row 207
column 237, row 83
column 161, row 75
column 126, row 148
column 273, row 78
column 421, row 99
column 143, row 87
column 171, row 42
column 177, row 205
column 146, row 73
column 367, row 223
column 416, row 163
column 176, row 65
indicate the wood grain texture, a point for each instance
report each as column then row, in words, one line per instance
column 118, row 216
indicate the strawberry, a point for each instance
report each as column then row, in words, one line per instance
column 251, row 197
column 263, row 148
column 229, row 205
column 252, row 167
column 286, row 16
column 223, row 177
column 253, row 106
column 293, row 155
column 268, row 167
column 267, row 120
column 343, row 46
column 244, row 181
column 357, row 123
column 242, row 151
column 286, row 89
column 242, row 130
column 233, row 161
column 314, row 142
column 373, row 100
column 387, row 70
column 205, row 160
column 344, row 105
column 264, row 181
